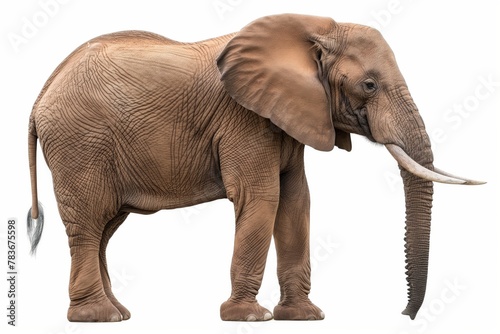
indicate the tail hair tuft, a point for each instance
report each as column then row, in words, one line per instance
column 35, row 228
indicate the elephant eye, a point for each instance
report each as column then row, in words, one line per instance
column 369, row 86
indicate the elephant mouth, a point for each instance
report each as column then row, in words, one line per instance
column 437, row 175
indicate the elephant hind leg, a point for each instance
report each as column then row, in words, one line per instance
column 108, row 232
column 85, row 189
column 86, row 229
column 89, row 302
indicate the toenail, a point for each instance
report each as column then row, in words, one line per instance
column 251, row 317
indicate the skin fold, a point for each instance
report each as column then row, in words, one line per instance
column 135, row 122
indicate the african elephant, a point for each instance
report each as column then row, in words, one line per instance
column 135, row 122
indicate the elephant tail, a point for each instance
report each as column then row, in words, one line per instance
column 35, row 214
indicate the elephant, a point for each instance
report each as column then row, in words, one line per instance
column 133, row 122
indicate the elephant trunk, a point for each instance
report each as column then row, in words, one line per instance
column 415, row 159
column 411, row 147
column 418, row 197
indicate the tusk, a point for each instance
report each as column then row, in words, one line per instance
column 416, row 169
column 467, row 181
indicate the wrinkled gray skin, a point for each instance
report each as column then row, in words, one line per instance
column 134, row 122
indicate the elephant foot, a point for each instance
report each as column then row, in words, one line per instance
column 298, row 311
column 122, row 309
column 102, row 311
column 244, row 311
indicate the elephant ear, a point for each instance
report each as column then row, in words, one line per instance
column 273, row 67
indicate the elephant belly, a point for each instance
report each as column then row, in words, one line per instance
column 146, row 202
column 164, row 178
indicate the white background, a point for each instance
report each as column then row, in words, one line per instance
column 171, row 269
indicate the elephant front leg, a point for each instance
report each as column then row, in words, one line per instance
column 89, row 302
column 291, row 237
column 254, row 227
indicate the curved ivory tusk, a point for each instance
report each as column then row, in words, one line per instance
column 416, row 169
column 467, row 181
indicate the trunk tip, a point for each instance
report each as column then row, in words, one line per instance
column 409, row 313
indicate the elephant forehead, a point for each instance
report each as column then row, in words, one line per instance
column 367, row 44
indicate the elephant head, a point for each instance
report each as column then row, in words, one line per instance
column 320, row 81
